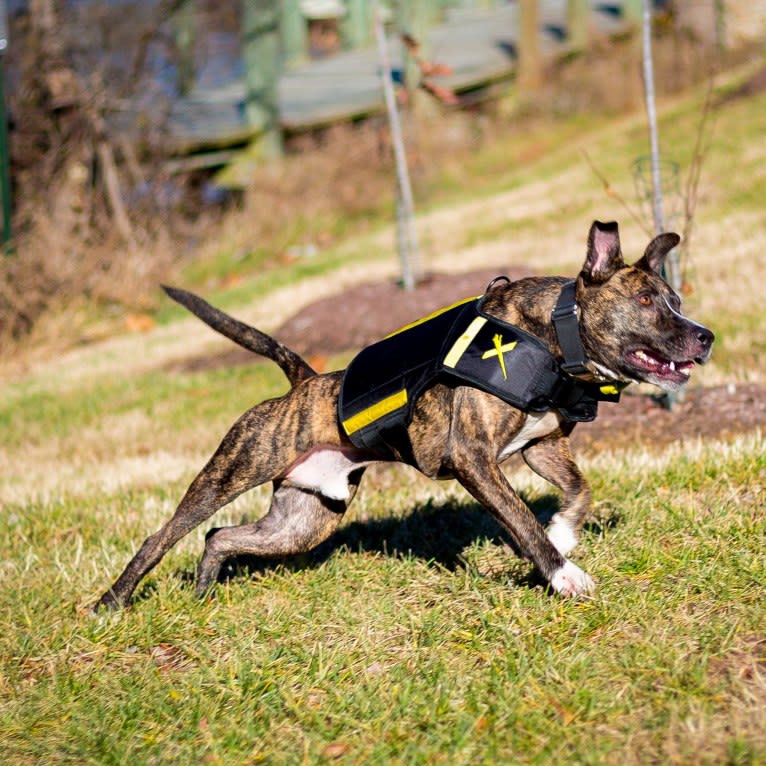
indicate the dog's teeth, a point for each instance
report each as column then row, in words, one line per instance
column 672, row 366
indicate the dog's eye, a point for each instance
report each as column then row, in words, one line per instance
column 645, row 299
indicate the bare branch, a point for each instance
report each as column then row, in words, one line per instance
column 610, row 190
column 164, row 10
column 701, row 147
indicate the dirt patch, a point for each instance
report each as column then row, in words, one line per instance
column 367, row 312
column 710, row 413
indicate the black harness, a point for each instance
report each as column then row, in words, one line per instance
column 461, row 345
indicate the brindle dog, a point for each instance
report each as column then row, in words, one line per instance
column 631, row 328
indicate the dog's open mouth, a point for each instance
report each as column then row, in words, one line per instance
column 658, row 367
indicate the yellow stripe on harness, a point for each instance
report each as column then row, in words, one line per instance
column 375, row 411
column 462, row 343
column 433, row 315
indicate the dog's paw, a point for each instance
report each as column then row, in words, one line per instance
column 570, row 580
column 562, row 536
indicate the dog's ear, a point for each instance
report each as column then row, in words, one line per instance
column 604, row 255
column 656, row 251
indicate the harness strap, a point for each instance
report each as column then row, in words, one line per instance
column 567, row 328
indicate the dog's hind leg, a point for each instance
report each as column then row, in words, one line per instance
column 237, row 465
column 552, row 459
column 298, row 520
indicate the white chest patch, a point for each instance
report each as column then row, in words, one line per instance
column 536, row 425
column 326, row 469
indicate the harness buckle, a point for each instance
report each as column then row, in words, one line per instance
column 574, row 368
column 564, row 311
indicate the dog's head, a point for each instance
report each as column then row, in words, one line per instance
column 631, row 323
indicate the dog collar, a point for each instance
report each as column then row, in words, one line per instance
column 566, row 322
column 567, row 326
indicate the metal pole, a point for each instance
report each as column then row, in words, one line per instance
column 357, row 26
column 5, row 173
column 409, row 253
column 294, row 34
column 651, row 114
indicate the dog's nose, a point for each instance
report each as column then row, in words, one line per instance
column 705, row 338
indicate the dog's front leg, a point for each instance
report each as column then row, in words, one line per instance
column 487, row 483
column 552, row 459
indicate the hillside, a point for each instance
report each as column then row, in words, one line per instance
column 413, row 635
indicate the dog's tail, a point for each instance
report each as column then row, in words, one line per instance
column 293, row 366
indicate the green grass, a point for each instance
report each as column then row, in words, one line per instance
column 413, row 636
column 371, row 656
column 33, row 416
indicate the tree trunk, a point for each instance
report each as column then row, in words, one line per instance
column 529, row 75
column 56, row 76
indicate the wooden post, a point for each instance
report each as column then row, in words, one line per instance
column 261, row 23
column 529, row 75
column 577, row 24
column 293, row 32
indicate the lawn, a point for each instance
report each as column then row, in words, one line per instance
column 413, row 636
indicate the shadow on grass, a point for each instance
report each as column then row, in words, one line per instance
column 436, row 533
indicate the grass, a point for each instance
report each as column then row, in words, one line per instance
column 413, row 636
column 446, row 653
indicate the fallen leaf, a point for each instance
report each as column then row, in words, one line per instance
column 139, row 323
column 318, row 362
column 336, row 749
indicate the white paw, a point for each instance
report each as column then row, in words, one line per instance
column 562, row 536
column 570, row 580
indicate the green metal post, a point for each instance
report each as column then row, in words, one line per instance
column 294, row 32
column 357, row 25
column 261, row 33
column 414, row 18
column 185, row 26
column 633, row 11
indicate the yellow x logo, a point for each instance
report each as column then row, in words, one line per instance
column 498, row 351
